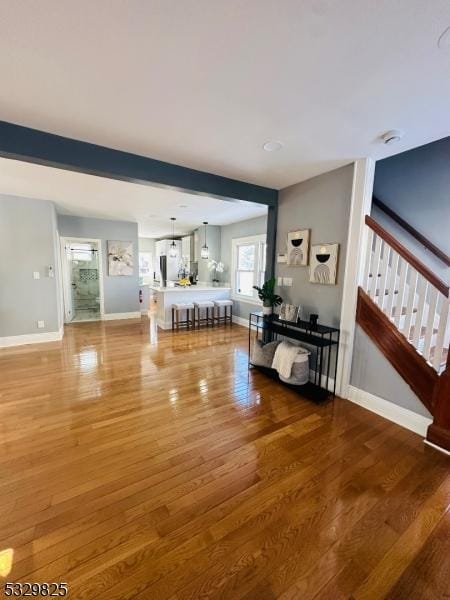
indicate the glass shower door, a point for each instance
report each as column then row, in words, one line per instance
column 84, row 281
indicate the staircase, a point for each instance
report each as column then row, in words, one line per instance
column 404, row 308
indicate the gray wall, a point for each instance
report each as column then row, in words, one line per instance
column 372, row 372
column 121, row 293
column 255, row 226
column 410, row 242
column 321, row 204
column 28, row 243
column 416, row 185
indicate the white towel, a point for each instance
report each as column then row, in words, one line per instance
column 283, row 359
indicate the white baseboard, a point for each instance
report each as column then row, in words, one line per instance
column 125, row 315
column 240, row 321
column 397, row 414
column 443, row 450
column 31, row 338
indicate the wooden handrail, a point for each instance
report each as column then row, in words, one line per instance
column 408, row 256
column 412, row 231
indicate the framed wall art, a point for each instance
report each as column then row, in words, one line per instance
column 298, row 248
column 289, row 312
column 120, row 258
column 323, row 267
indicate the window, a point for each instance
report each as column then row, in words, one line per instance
column 248, row 266
column 82, row 252
column 145, row 264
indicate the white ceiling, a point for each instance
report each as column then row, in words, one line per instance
column 90, row 196
column 204, row 83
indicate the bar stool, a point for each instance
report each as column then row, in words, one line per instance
column 227, row 316
column 208, row 319
column 177, row 310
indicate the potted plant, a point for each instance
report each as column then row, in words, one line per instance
column 216, row 267
column 266, row 293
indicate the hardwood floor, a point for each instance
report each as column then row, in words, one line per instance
column 146, row 465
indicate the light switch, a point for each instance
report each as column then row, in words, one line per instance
column 280, row 281
column 287, row 281
column 41, row 324
column 36, row 275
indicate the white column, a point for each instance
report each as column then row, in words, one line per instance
column 361, row 203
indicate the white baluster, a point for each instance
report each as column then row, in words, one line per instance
column 432, row 303
column 406, row 329
column 440, row 339
column 375, row 267
column 401, row 291
column 365, row 281
column 384, row 271
column 422, row 290
column 392, row 284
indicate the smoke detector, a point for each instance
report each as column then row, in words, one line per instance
column 272, row 145
column 392, row 136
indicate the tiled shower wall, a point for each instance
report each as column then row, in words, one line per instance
column 86, row 292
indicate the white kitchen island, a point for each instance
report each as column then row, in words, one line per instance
column 167, row 296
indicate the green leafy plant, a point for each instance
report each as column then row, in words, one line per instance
column 266, row 293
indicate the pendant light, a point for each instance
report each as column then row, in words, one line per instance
column 173, row 252
column 204, row 253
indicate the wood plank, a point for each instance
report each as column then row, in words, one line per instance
column 139, row 463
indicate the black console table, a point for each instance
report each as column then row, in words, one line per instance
column 321, row 337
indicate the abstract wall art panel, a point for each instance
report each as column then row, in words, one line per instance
column 323, row 266
column 298, row 248
column 120, row 258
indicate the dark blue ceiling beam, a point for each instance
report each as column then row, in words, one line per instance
column 32, row 145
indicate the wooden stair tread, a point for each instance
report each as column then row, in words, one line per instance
column 423, row 331
column 404, row 309
column 443, row 358
column 386, row 292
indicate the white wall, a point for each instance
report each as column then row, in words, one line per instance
column 148, row 245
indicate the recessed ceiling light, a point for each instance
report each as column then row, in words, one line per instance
column 444, row 40
column 392, row 136
column 272, row 146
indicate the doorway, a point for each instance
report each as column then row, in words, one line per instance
column 82, row 279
